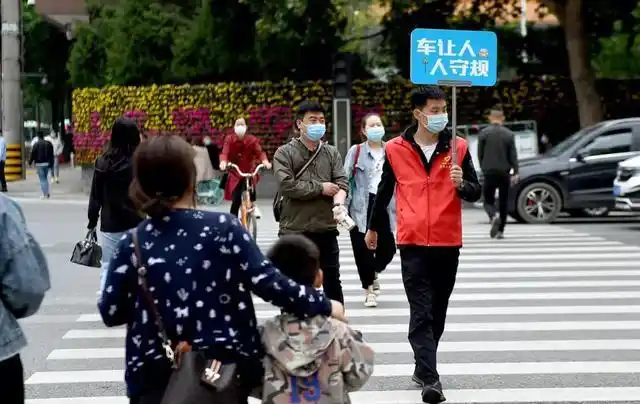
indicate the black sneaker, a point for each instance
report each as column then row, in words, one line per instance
column 432, row 393
column 417, row 380
column 495, row 227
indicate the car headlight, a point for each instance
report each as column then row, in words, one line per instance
column 624, row 174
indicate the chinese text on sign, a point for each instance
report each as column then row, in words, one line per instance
column 454, row 57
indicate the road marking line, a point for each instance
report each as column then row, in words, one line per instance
column 405, row 370
column 452, row 311
column 402, row 328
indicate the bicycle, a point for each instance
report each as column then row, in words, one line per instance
column 247, row 209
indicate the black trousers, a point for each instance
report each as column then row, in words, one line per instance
column 327, row 243
column 501, row 182
column 3, row 178
column 428, row 275
column 236, row 196
column 11, row 374
column 368, row 262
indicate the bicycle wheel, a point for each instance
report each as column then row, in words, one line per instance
column 252, row 225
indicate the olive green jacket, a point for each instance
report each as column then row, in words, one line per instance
column 304, row 208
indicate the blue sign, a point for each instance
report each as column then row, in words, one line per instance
column 453, row 57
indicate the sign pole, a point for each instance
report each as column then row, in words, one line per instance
column 454, row 124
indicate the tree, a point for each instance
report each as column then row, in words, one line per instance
column 219, row 44
column 174, row 41
column 619, row 55
column 583, row 25
column 139, row 50
column 297, row 39
column 46, row 50
column 87, row 63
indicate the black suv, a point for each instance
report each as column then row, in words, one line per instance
column 575, row 176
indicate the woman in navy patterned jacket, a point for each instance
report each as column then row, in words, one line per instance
column 202, row 267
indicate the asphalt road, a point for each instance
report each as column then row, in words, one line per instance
column 551, row 314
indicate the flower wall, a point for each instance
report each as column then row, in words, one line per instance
column 211, row 110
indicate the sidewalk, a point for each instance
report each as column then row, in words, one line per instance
column 71, row 185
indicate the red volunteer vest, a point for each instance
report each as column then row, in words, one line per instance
column 428, row 208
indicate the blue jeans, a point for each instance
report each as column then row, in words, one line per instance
column 108, row 243
column 43, row 176
column 56, row 168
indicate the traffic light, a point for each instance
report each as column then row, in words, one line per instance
column 342, row 75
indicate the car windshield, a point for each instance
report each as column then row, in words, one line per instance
column 571, row 140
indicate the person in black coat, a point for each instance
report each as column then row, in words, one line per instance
column 109, row 199
column 42, row 156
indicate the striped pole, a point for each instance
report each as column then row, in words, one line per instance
column 13, row 165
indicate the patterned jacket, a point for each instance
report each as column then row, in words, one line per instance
column 318, row 360
column 24, row 277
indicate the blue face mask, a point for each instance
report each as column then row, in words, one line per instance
column 437, row 123
column 375, row 134
column 315, row 131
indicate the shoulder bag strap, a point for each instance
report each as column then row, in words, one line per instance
column 355, row 161
column 306, row 165
column 146, row 293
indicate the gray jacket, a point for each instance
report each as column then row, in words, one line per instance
column 24, row 277
column 358, row 198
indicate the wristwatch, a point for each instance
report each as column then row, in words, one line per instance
column 335, row 205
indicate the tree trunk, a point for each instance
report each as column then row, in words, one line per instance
column 590, row 109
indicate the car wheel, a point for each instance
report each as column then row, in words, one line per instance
column 590, row 212
column 539, row 203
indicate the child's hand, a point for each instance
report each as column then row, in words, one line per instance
column 337, row 311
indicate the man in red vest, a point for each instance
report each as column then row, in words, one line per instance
column 429, row 191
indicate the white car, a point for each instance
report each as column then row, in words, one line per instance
column 626, row 186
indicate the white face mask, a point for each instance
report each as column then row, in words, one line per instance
column 240, row 130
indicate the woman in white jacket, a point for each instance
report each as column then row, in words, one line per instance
column 58, row 146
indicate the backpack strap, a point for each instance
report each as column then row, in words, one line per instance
column 355, row 161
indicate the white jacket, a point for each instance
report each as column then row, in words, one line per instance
column 58, row 146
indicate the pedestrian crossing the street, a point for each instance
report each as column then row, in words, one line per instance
column 547, row 315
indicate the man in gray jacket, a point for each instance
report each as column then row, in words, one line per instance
column 499, row 163
column 24, row 279
column 313, row 199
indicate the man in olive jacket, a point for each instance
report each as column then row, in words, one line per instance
column 313, row 202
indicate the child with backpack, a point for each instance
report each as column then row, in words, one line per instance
column 316, row 360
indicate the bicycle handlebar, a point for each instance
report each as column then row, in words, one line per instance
column 245, row 175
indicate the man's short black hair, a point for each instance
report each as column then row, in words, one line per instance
column 497, row 108
column 308, row 106
column 422, row 94
column 297, row 257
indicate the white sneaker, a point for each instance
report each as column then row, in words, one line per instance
column 370, row 298
column 376, row 286
column 256, row 212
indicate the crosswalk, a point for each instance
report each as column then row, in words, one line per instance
column 547, row 315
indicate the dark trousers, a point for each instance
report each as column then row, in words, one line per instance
column 501, row 182
column 368, row 262
column 236, row 196
column 327, row 243
column 11, row 374
column 3, row 178
column 428, row 275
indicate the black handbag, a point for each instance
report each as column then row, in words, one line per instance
column 277, row 199
column 195, row 379
column 87, row 252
